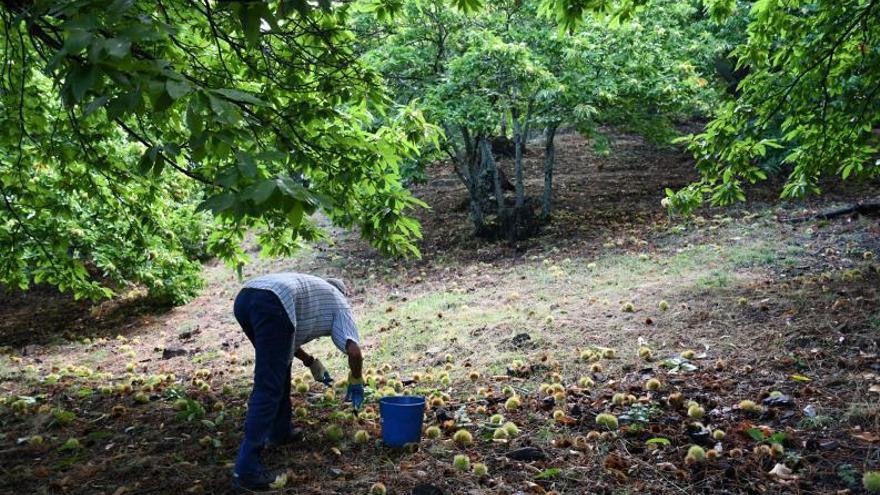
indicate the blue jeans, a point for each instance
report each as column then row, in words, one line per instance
column 267, row 326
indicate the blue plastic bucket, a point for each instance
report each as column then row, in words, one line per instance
column 402, row 418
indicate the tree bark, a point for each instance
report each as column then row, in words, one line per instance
column 549, row 159
column 471, row 157
column 520, row 135
column 489, row 160
column 517, row 161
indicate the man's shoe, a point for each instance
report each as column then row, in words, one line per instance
column 253, row 482
column 295, row 435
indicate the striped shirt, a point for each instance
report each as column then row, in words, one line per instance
column 315, row 307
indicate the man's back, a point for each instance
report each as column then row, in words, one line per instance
column 310, row 302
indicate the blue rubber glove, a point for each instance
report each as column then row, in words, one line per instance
column 320, row 373
column 355, row 393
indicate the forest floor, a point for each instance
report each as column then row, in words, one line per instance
column 123, row 397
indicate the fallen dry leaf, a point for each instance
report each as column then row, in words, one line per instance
column 867, row 436
column 567, row 420
column 279, row 482
column 781, row 471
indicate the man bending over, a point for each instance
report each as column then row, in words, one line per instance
column 279, row 313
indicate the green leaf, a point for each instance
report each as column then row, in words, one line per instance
column 755, row 434
column 70, row 444
column 194, row 120
column 719, row 9
column 291, row 188
column 240, row 96
column 161, row 101
column 95, row 105
column 467, row 6
column 148, row 160
column 115, row 47
column 295, row 215
column 80, row 80
column 77, row 40
column 246, row 164
column 260, row 192
column 177, row 89
column 548, row 473
column 218, row 203
column 224, row 110
column 124, row 104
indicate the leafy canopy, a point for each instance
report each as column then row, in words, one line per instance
column 809, row 105
column 119, row 117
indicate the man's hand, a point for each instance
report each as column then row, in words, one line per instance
column 355, row 392
column 320, row 373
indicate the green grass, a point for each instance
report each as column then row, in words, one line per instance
column 475, row 324
column 705, row 265
column 862, row 413
column 817, row 422
column 715, row 279
column 95, row 357
column 431, row 322
column 875, row 321
column 545, row 434
column 24, row 375
column 205, row 357
column 8, row 369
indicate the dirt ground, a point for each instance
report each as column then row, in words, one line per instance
column 123, row 397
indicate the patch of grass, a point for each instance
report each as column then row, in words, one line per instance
column 708, row 265
column 186, row 328
column 715, row 279
column 817, row 422
column 501, row 360
column 7, row 369
column 545, row 433
column 691, row 259
column 205, row 357
column 95, row 357
column 874, row 321
column 435, row 320
column 24, row 375
column 757, row 254
column 862, row 413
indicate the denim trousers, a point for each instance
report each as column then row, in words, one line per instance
column 268, row 327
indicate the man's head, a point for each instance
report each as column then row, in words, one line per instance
column 339, row 284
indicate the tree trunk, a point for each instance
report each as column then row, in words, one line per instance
column 489, row 160
column 465, row 162
column 549, row 159
column 477, row 213
column 517, row 161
